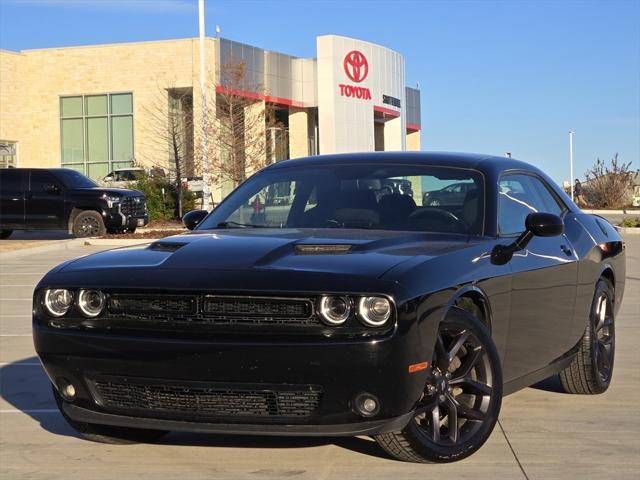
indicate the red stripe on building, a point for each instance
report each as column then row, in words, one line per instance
column 386, row 111
column 413, row 127
column 257, row 96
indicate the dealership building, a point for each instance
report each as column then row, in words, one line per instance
column 95, row 108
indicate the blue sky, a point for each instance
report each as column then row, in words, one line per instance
column 495, row 76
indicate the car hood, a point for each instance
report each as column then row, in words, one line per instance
column 120, row 192
column 342, row 252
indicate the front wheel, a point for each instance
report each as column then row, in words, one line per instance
column 591, row 369
column 461, row 400
column 88, row 224
column 4, row 234
column 108, row 433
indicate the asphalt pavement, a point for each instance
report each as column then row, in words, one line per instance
column 543, row 433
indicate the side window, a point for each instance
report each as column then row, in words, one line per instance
column 519, row 195
column 40, row 180
column 550, row 203
column 11, row 181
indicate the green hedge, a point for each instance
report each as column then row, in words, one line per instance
column 162, row 198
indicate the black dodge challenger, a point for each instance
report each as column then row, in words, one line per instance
column 314, row 301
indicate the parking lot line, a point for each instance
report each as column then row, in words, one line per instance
column 34, row 410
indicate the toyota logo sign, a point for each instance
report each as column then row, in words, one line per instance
column 356, row 66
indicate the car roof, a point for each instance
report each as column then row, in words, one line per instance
column 450, row 159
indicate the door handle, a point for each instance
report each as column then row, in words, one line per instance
column 567, row 251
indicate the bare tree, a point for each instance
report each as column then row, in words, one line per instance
column 238, row 122
column 171, row 125
column 609, row 185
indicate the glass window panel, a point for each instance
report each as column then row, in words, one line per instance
column 96, row 105
column 122, row 138
column 117, row 165
column 71, row 106
column 72, row 141
column 97, row 170
column 121, row 103
column 97, row 140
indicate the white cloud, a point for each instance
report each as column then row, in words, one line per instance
column 143, row 6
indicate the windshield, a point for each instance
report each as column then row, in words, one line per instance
column 372, row 196
column 73, row 179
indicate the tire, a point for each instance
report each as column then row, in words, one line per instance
column 4, row 234
column 470, row 386
column 109, row 433
column 88, row 224
column 591, row 370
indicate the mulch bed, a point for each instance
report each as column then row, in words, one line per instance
column 151, row 234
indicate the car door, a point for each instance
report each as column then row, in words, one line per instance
column 544, row 277
column 12, row 195
column 44, row 205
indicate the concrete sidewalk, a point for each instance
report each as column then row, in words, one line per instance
column 542, row 434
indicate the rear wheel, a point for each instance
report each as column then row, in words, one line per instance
column 4, row 234
column 591, row 370
column 88, row 224
column 108, row 433
column 461, row 400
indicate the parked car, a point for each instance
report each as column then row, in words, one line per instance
column 450, row 195
column 63, row 199
column 344, row 316
column 123, row 177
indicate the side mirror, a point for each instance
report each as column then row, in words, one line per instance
column 544, row 224
column 52, row 189
column 193, row 218
column 108, row 178
column 536, row 224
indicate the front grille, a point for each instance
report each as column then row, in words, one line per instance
column 187, row 401
column 210, row 310
column 241, row 307
column 151, row 304
column 133, row 206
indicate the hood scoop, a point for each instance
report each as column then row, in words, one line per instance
column 323, row 249
column 166, row 246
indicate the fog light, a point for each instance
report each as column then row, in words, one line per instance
column 66, row 389
column 367, row 405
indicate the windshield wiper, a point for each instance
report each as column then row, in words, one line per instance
column 231, row 224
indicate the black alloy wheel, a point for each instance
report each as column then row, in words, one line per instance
column 591, row 370
column 461, row 400
column 88, row 224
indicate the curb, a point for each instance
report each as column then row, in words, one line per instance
column 56, row 245
column 612, row 212
column 628, row 230
column 74, row 243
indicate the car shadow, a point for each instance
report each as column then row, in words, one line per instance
column 551, row 384
column 25, row 386
column 40, row 235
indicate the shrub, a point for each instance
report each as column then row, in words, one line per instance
column 162, row 198
column 631, row 222
column 609, row 185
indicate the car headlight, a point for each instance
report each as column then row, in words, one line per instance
column 374, row 311
column 91, row 302
column 57, row 301
column 335, row 310
column 111, row 200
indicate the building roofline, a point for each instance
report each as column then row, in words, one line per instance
column 112, row 44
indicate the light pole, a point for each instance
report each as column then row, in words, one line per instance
column 206, row 192
column 571, row 134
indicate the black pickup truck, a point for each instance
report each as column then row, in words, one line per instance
column 63, row 199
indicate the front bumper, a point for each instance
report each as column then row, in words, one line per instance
column 372, row 427
column 342, row 369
